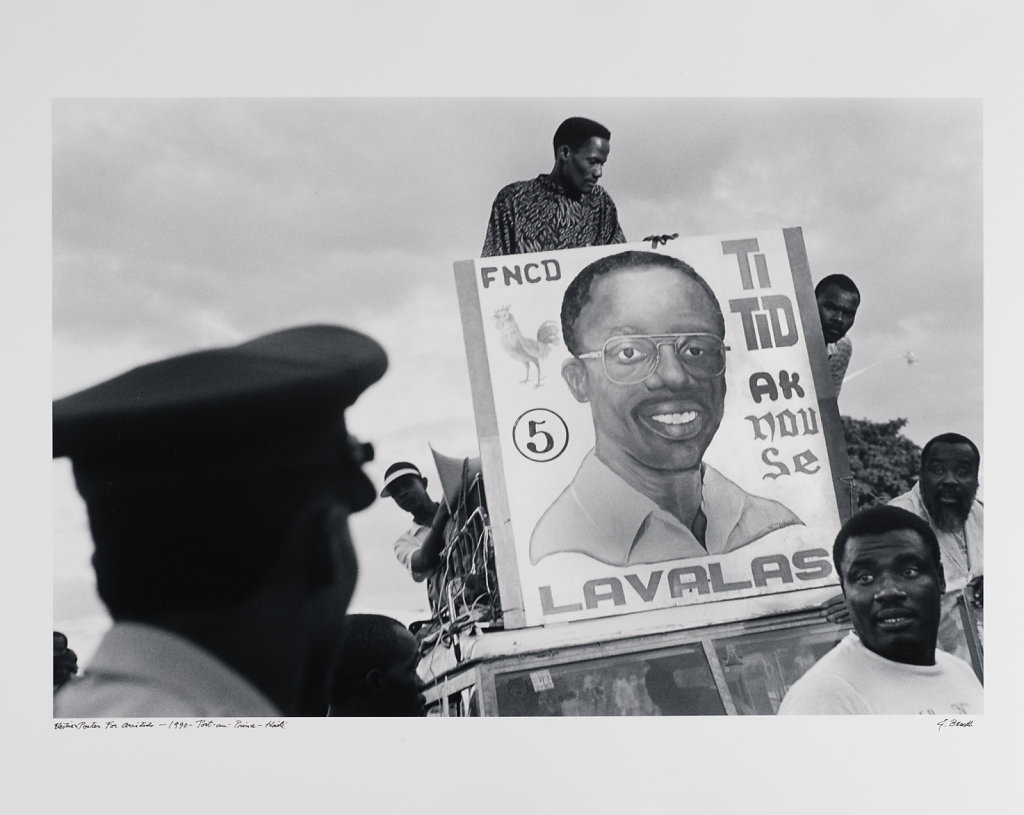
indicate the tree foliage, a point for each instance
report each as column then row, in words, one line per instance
column 883, row 462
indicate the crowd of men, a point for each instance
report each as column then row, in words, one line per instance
column 219, row 485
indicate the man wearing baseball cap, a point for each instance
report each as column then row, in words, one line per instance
column 418, row 549
column 218, row 486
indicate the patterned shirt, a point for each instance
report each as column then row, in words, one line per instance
column 540, row 216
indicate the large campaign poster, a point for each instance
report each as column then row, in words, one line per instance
column 657, row 427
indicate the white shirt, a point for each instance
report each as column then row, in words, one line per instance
column 406, row 546
column 853, row 679
column 963, row 559
column 839, row 354
column 963, row 553
column 141, row 671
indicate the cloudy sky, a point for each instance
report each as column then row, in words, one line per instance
column 181, row 223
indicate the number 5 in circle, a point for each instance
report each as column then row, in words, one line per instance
column 540, row 435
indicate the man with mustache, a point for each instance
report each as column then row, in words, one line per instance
column 890, row 569
column 646, row 336
column 565, row 208
column 946, row 497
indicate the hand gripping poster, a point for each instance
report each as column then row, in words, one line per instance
column 657, row 428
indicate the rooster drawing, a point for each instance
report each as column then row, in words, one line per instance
column 525, row 349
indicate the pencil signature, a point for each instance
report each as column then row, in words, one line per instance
column 955, row 723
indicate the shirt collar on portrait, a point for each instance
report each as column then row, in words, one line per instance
column 621, row 519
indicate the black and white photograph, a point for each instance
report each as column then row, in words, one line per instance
column 453, row 396
column 208, row 245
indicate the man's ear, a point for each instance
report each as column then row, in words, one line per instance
column 373, row 681
column 574, row 372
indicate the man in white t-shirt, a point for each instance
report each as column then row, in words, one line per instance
column 890, row 570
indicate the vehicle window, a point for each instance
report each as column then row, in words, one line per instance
column 760, row 668
column 464, row 703
column 672, row 682
column 435, row 708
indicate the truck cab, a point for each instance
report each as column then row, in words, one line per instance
column 552, row 605
column 644, row 666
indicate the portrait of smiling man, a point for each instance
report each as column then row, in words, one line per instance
column 647, row 338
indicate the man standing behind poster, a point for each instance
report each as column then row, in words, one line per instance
column 838, row 300
column 646, row 334
column 564, row 209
